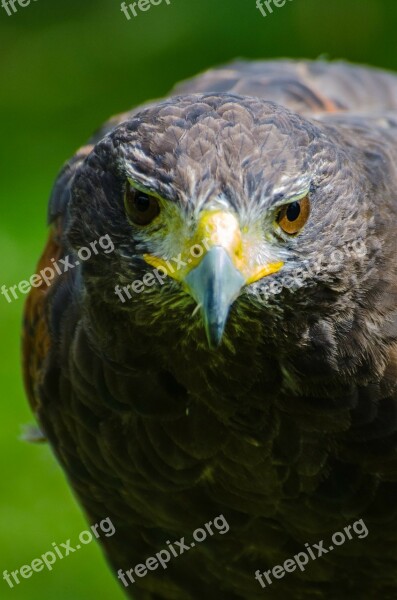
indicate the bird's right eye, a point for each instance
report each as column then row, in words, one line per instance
column 140, row 207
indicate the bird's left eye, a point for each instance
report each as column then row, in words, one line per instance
column 141, row 208
column 293, row 216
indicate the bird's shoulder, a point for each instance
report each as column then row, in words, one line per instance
column 54, row 293
column 304, row 86
column 36, row 337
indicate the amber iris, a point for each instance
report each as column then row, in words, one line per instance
column 292, row 217
column 141, row 208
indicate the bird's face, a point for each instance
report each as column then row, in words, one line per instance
column 209, row 200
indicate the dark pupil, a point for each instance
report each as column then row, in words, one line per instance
column 142, row 203
column 293, row 211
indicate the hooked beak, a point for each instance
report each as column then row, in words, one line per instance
column 215, row 284
column 215, row 277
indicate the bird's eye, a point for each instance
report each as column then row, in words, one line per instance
column 141, row 208
column 293, row 216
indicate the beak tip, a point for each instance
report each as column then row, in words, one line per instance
column 214, row 284
column 214, row 333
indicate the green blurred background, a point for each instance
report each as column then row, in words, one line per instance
column 65, row 67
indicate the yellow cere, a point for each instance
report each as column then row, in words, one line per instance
column 215, row 228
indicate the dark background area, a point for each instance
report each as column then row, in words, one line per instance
column 65, row 67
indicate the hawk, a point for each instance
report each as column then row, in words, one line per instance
column 235, row 353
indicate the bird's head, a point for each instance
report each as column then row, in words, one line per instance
column 220, row 207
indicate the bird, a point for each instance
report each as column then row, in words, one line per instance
column 229, row 355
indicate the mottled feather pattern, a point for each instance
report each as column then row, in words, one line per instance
column 289, row 428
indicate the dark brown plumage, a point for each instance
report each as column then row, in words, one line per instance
column 289, row 427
